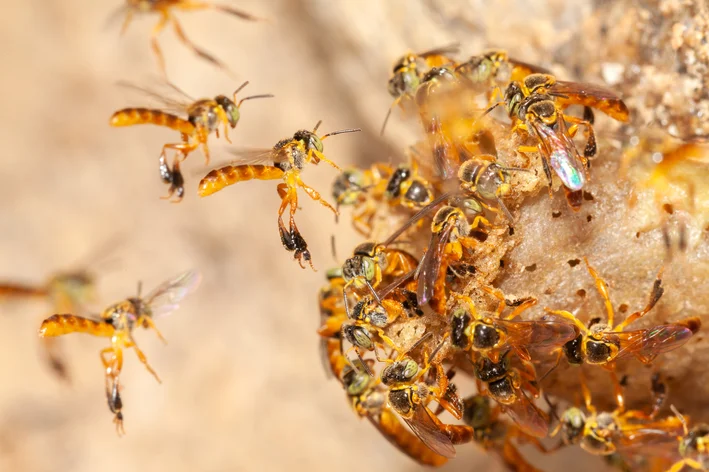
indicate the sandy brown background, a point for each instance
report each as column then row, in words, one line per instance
column 243, row 387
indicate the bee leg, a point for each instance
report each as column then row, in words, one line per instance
column 312, row 193
column 293, row 241
column 151, row 325
column 602, row 289
column 115, row 403
column 679, row 466
column 173, row 177
column 142, row 358
column 114, row 363
column 188, row 5
column 164, row 19
column 655, row 296
column 591, row 147
column 126, row 21
column 322, row 157
column 198, row 51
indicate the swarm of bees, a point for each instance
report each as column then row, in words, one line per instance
column 399, row 320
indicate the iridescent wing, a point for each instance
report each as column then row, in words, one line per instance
column 430, row 265
column 528, row 417
column 647, row 344
column 427, row 429
column 542, row 335
column 558, row 148
column 590, row 95
column 165, row 298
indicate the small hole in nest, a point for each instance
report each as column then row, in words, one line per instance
column 623, row 308
column 589, row 218
column 637, row 235
column 479, row 235
column 574, row 262
column 581, row 293
column 555, row 214
column 668, row 208
column 587, row 196
column 502, row 264
column 531, row 268
column 548, row 291
column 511, row 231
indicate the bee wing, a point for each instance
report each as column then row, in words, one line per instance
column 543, row 335
column 649, row 343
column 165, row 298
column 245, row 156
column 443, row 50
column 388, row 424
column 590, row 95
column 527, row 68
column 169, row 104
column 428, row 431
column 528, row 417
column 658, row 438
column 430, row 265
column 558, row 148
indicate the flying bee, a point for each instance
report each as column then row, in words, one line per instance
column 286, row 161
column 368, row 399
column 370, row 264
column 117, row 322
column 604, row 343
column 449, row 235
column 409, row 71
column 605, row 433
column 408, row 188
column 506, row 385
column 483, row 177
column 490, row 334
column 693, row 446
column 165, row 9
column 409, row 395
column 364, row 191
column 204, row 116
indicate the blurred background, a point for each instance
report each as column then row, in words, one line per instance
column 243, row 387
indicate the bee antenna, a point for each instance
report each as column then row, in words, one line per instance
column 680, row 418
column 240, row 88
column 504, row 209
column 140, row 288
column 317, row 125
column 333, row 246
column 265, row 95
column 342, row 131
column 492, row 108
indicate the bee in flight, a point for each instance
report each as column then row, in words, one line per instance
column 165, row 9
column 285, row 161
column 117, row 322
column 204, row 116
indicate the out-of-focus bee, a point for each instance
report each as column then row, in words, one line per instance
column 165, row 9
column 370, row 264
column 203, row 117
column 364, row 191
column 408, row 188
column 66, row 292
column 604, row 343
column 693, row 447
column 332, row 317
column 286, row 161
column 410, row 69
column 483, row 177
column 604, row 433
column 495, row 435
column 118, row 322
column 409, row 396
column 449, row 235
column 368, row 397
column 491, row 334
column 494, row 70
column 508, row 387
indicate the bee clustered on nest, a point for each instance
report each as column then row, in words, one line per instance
column 401, row 317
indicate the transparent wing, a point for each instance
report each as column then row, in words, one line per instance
column 260, row 156
column 430, row 265
column 167, row 103
column 528, row 417
column 542, row 335
column 426, row 429
column 561, row 152
column 167, row 296
column 448, row 49
column 649, row 343
column 528, row 68
column 591, row 95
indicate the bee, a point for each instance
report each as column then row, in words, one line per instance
column 490, row 334
column 286, row 161
column 332, row 317
column 605, row 343
column 66, row 292
column 604, row 433
column 117, row 322
column 409, row 71
column 408, row 188
column 483, row 177
column 165, row 9
column 363, row 190
column 409, row 395
column 370, row 264
column 693, row 446
column 506, row 385
column 204, row 116
column 368, row 399
column 449, row 235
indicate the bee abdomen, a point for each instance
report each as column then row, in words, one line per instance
column 147, row 116
column 229, row 175
column 58, row 325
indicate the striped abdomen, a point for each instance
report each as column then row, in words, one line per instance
column 229, row 175
column 147, row 116
column 408, row 443
column 58, row 325
column 12, row 290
